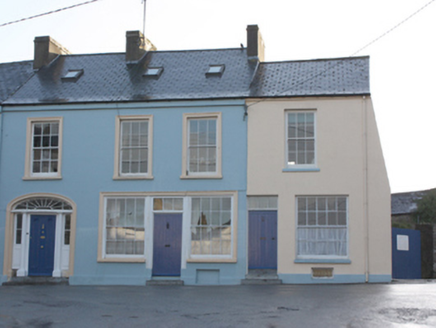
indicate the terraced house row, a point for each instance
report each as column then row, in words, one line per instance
column 198, row 166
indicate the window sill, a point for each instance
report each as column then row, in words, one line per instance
column 54, row 177
column 215, row 176
column 121, row 260
column 139, row 177
column 210, row 260
column 301, row 169
column 332, row 261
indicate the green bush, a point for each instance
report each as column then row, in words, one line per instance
column 426, row 211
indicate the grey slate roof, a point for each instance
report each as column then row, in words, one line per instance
column 12, row 76
column 405, row 202
column 107, row 78
column 342, row 76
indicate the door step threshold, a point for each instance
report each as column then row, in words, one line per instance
column 269, row 274
column 165, row 282
column 261, row 281
column 21, row 281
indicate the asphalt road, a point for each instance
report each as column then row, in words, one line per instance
column 351, row 306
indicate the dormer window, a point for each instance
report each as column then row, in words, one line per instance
column 153, row 72
column 72, row 75
column 215, row 70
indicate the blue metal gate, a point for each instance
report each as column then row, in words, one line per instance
column 406, row 254
column 262, row 240
column 167, row 244
column 41, row 245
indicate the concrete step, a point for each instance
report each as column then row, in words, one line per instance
column 21, row 281
column 258, row 281
column 165, row 282
column 261, row 277
column 262, row 274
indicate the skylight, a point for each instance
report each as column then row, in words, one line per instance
column 72, row 75
column 153, row 71
column 215, row 70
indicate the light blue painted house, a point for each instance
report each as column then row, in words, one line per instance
column 127, row 167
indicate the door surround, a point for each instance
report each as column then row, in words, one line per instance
column 60, row 206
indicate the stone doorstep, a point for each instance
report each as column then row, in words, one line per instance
column 262, row 274
column 21, row 281
column 261, row 277
column 165, row 282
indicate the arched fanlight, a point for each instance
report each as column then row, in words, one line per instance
column 43, row 203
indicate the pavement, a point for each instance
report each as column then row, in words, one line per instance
column 399, row 304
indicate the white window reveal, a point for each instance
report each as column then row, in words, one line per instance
column 124, row 227
column 211, row 226
column 202, row 145
column 300, row 134
column 134, row 147
column 45, row 148
column 322, row 227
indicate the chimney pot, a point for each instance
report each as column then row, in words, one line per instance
column 255, row 45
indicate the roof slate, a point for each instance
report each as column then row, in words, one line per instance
column 12, row 76
column 405, row 202
column 108, row 78
column 342, row 76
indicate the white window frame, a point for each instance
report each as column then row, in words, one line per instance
column 317, row 226
column 28, row 171
column 117, row 164
column 186, row 174
column 232, row 231
column 103, row 256
column 298, row 165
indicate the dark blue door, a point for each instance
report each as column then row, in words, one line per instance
column 406, row 254
column 41, row 245
column 262, row 240
column 167, row 244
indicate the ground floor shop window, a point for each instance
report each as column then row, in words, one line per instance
column 124, row 226
column 130, row 228
column 211, row 226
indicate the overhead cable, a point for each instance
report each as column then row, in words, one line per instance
column 49, row 13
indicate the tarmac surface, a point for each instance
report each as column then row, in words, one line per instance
column 351, row 306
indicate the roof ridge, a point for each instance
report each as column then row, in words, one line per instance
column 314, row 60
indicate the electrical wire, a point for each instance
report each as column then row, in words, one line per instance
column 49, row 13
column 364, row 47
column 393, row 28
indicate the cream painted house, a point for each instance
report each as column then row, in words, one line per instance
column 321, row 157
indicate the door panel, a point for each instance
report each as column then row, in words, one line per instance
column 262, row 240
column 167, row 244
column 41, row 245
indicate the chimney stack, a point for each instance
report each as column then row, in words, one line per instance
column 255, row 45
column 46, row 49
column 136, row 46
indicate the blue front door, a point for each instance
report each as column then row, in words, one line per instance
column 167, row 244
column 41, row 245
column 262, row 240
